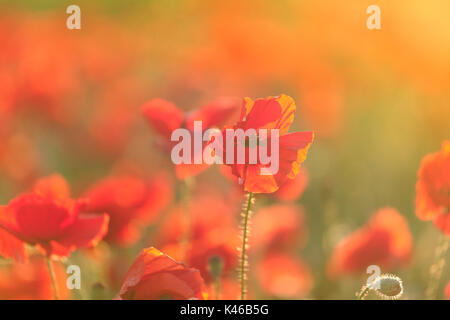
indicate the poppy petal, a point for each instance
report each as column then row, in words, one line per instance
column 270, row 113
column 154, row 275
column 299, row 141
column 442, row 222
column 11, row 247
column 263, row 113
column 257, row 183
column 54, row 186
column 86, row 231
column 214, row 114
column 33, row 218
column 163, row 116
column 385, row 241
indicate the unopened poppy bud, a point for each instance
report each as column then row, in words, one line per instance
column 388, row 286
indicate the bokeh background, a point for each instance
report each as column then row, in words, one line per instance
column 377, row 100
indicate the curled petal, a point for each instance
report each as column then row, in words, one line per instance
column 155, row 275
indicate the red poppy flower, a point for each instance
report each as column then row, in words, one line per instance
column 130, row 202
column 32, row 281
column 155, row 275
column 165, row 117
column 48, row 218
column 385, row 241
column 433, row 189
column 11, row 247
column 202, row 218
column 270, row 113
column 278, row 226
column 218, row 243
column 281, row 275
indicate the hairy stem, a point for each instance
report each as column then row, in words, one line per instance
column 245, row 231
column 363, row 293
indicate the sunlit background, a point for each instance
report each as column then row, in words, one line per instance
column 377, row 100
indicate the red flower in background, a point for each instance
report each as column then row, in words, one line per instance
column 165, row 117
column 74, row 63
column 433, row 189
column 218, row 243
column 278, row 226
column 131, row 203
column 284, row 276
column 212, row 234
column 385, row 241
column 155, row 275
column 116, row 113
column 271, row 113
column 48, row 218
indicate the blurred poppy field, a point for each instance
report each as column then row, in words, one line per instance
column 93, row 207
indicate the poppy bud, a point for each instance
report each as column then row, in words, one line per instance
column 386, row 286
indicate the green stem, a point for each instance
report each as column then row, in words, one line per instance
column 244, row 261
column 52, row 275
column 363, row 293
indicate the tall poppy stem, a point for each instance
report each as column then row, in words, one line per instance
column 245, row 231
column 363, row 293
column 52, row 275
